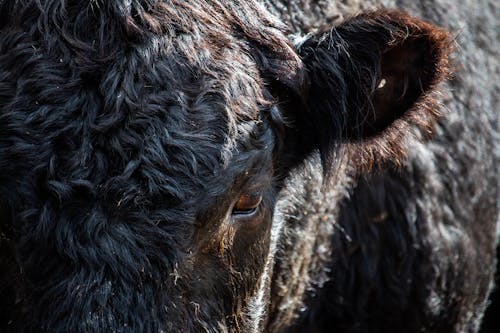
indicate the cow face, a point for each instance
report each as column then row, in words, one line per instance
column 143, row 146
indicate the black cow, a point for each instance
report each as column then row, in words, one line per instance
column 194, row 166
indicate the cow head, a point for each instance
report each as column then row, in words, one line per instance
column 143, row 145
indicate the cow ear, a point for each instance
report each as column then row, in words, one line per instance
column 368, row 81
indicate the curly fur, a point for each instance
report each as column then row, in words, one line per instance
column 129, row 128
column 116, row 125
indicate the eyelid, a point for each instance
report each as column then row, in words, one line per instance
column 247, row 203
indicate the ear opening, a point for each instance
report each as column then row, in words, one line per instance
column 403, row 79
column 413, row 63
column 405, row 97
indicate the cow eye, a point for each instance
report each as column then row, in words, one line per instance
column 247, row 203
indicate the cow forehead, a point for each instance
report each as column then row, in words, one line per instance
column 192, row 115
column 159, row 116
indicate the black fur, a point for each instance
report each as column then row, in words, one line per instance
column 129, row 129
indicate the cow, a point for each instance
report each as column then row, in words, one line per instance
column 241, row 166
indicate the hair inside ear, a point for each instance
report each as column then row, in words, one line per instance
column 406, row 73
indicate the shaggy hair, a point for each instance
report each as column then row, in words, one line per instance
column 119, row 121
column 134, row 134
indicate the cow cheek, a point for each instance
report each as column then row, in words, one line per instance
column 251, row 249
